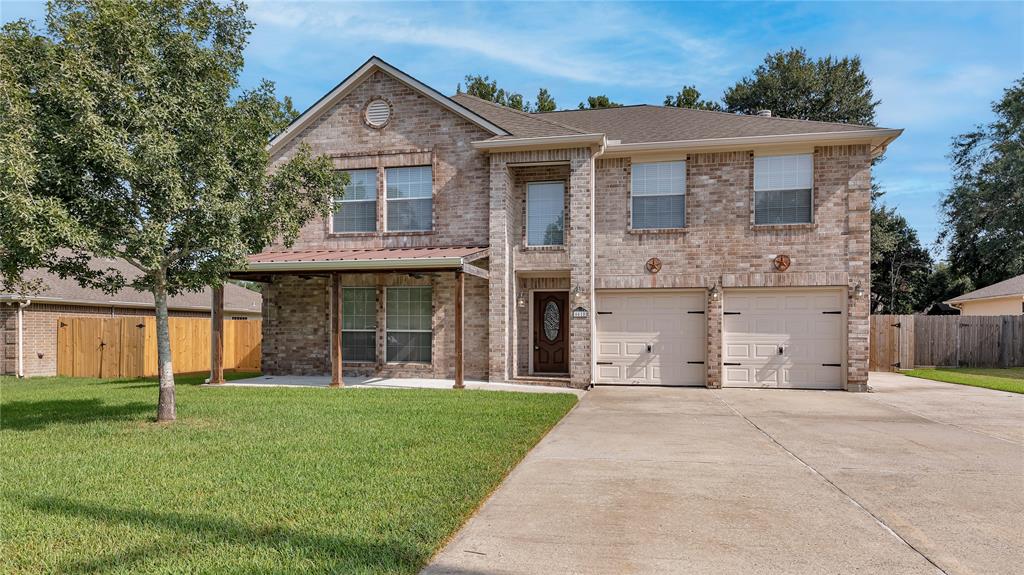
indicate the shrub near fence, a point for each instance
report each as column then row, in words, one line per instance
column 126, row 346
column 908, row 341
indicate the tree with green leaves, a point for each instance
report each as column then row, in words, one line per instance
column 122, row 129
column 900, row 266
column 943, row 284
column 545, row 103
column 689, row 97
column 793, row 85
column 486, row 89
column 983, row 221
column 598, row 102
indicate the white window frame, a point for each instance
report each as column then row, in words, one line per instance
column 753, row 208
column 632, row 195
column 387, row 200
column 526, row 222
column 343, row 200
column 373, row 331
column 387, row 359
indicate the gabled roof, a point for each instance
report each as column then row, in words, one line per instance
column 355, row 78
column 1011, row 287
column 67, row 291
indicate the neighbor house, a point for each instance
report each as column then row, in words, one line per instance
column 1003, row 298
column 634, row 245
column 30, row 323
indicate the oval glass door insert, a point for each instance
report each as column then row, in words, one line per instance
column 552, row 321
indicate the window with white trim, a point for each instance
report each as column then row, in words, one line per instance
column 783, row 189
column 356, row 211
column 545, row 214
column 409, row 332
column 359, row 324
column 410, row 198
column 658, row 195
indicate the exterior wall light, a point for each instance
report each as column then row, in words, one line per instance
column 521, row 300
column 577, row 295
column 858, row 291
column 714, row 293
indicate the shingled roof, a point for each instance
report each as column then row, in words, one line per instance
column 55, row 290
column 519, row 124
column 1011, row 287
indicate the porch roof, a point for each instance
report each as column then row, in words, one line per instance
column 363, row 259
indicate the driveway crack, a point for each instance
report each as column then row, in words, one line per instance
column 834, row 486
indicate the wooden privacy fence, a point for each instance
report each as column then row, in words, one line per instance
column 126, row 346
column 908, row 341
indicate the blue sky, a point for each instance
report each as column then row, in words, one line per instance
column 936, row 66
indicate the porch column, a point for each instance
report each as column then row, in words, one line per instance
column 336, row 372
column 460, row 285
column 217, row 336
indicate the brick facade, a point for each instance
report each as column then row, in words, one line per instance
column 479, row 199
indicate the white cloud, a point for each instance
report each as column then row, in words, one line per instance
column 600, row 44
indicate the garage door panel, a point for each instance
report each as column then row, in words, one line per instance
column 631, row 322
column 789, row 317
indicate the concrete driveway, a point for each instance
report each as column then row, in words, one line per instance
column 917, row 477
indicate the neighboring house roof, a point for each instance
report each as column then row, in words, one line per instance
column 1011, row 287
column 452, row 257
column 55, row 290
column 355, row 78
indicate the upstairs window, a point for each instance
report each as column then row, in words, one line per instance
column 359, row 324
column 545, row 214
column 356, row 211
column 783, row 189
column 410, row 199
column 658, row 192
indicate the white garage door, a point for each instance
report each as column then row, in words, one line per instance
column 650, row 337
column 784, row 338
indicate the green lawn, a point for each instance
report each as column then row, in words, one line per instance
column 1009, row 379
column 249, row 480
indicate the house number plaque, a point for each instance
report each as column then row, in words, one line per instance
column 580, row 313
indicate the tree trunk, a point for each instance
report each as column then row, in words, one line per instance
column 165, row 410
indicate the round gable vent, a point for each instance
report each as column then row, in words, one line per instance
column 378, row 113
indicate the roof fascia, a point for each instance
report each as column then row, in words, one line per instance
column 544, row 142
column 878, row 138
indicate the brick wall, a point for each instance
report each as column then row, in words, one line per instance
column 40, row 325
column 721, row 244
column 297, row 320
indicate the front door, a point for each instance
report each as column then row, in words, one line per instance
column 550, row 337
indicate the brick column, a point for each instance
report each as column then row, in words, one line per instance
column 858, row 327
column 500, row 263
column 858, row 246
column 581, row 262
column 713, row 363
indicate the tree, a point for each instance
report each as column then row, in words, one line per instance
column 689, row 97
column 943, row 284
column 131, row 140
column 486, row 89
column 983, row 222
column 900, row 267
column 545, row 103
column 792, row 85
column 597, row 102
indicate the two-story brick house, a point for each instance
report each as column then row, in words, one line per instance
column 632, row 245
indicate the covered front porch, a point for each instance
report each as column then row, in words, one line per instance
column 369, row 313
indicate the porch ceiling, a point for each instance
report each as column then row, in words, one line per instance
column 366, row 259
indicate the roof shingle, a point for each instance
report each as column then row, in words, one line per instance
column 1010, row 287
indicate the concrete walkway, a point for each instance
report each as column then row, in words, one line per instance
column 366, row 382
column 648, row 480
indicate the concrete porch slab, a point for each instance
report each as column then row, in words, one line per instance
column 367, row 382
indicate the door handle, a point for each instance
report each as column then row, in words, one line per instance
column 781, row 350
column 536, row 347
column 648, row 348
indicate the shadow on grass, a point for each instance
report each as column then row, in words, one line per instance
column 30, row 415
column 329, row 554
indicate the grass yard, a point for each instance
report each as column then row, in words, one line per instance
column 249, row 480
column 1009, row 379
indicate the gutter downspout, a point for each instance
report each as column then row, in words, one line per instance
column 21, row 336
